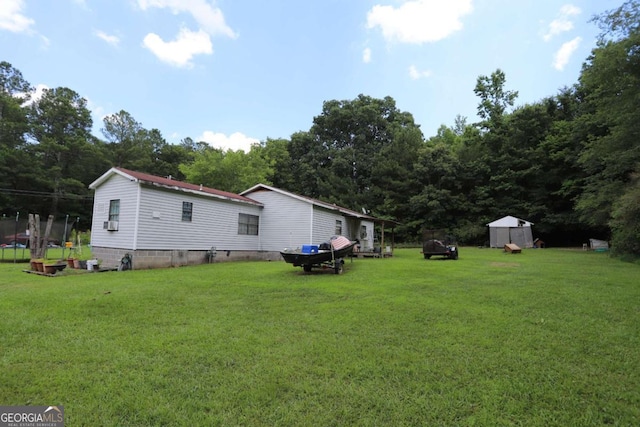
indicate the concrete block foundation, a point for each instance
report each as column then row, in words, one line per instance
column 151, row 258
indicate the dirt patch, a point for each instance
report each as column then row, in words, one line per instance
column 505, row 264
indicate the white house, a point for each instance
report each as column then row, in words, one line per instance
column 510, row 229
column 162, row 222
column 290, row 220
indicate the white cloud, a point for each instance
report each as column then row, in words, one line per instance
column 33, row 96
column 110, row 39
column 419, row 21
column 208, row 17
column 416, row 74
column 366, row 55
column 97, row 112
column 11, row 17
column 38, row 92
column 563, row 22
column 180, row 51
column 564, row 53
column 235, row 141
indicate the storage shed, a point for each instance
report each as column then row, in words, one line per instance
column 510, row 229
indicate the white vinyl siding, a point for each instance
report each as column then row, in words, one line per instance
column 248, row 224
column 285, row 221
column 324, row 224
column 214, row 222
column 115, row 188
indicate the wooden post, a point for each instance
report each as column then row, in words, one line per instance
column 34, row 234
column 38, row 244
column 382, row 242
column 45, row 240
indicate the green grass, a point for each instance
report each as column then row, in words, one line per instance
column 543, row 338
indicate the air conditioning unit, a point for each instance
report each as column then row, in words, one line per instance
column 112, row 225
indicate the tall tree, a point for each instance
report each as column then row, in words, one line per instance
column 500, row 152
column 61, row 126
column 625, row 223
column 610, row 83
column 495, row 100
column 345, row 139
column 14, row 125
column 233, row 171
column 276, row 153
column 122, row 133
column 395, row 179
column 308, row 159
column 437, row 170
column 130, row 145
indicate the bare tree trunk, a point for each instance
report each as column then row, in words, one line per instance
column 34, row 236
column 37, row 244
column 45, row 241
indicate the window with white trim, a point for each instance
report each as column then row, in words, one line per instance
column 114, row 210
column 248, row 224
column 187, row 211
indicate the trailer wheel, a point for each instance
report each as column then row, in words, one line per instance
column 307, row 268
column 427, row 256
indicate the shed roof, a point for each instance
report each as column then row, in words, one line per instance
column 510, row 221
column 170, row 184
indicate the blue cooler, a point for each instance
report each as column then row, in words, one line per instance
column 309, row 249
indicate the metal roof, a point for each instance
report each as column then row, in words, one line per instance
column 510, row 221
column 319, row 203
column 171, row 184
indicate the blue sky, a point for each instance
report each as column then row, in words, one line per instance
column 233, row 72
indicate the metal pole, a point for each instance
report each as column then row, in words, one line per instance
column 64, row 236
column 15, row 238
column 78, row 249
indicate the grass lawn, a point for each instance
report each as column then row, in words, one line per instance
column 544, row 338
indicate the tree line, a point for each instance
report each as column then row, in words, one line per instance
column 569, row 162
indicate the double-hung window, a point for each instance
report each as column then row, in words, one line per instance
column 114, row 210
column 114, row 215
column 187, row 211
column 248, row 224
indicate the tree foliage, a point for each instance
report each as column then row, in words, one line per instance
column 233, row 171
column 14, row 125
column 61, row 126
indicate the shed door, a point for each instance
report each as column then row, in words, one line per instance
column 518, row 237
column 502, row 236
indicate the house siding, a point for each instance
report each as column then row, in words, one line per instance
column 367, row 241
column 115, row 188
column 324, row 224
column 214, row 222
column 285, row 221
column 290, row 222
